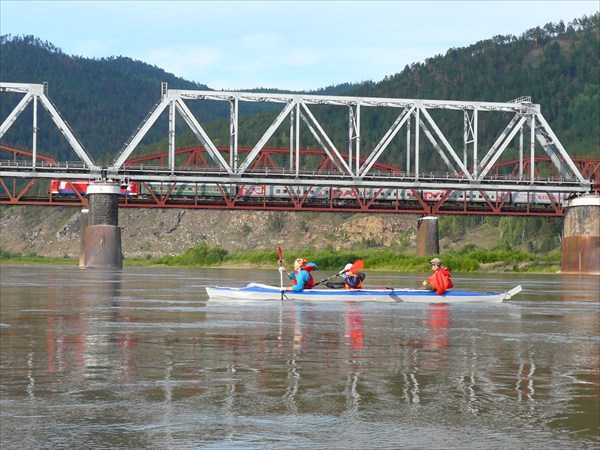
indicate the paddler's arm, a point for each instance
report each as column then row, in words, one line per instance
column 301, row 278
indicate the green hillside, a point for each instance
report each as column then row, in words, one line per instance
column 103, row 100
column 557, row 66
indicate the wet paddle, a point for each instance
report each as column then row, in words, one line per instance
column 358, row 265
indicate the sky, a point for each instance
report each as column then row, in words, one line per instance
column 296, row 45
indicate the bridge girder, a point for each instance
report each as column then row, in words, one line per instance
column 296, row 108
column 37, row 94
column 356, row 166
column 426, row 199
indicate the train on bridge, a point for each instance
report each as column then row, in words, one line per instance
column 207, row 191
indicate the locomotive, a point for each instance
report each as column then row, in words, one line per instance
column 69, row 188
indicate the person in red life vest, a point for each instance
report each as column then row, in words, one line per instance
column 301, row 276
column 441, row 279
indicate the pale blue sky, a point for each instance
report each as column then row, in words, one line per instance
column 277, row 44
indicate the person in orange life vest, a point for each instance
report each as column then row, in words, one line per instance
column 353, row 281
column 440, row 281
column 301, row 276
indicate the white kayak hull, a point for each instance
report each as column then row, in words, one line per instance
column 257, row 291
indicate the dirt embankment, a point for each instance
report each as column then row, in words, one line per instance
column 55, row 231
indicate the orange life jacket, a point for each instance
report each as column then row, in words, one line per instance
column 353, row 281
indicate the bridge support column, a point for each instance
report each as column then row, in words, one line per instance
column 84, row 220
column 427, row 236
column 581, row 236
column 102, row 237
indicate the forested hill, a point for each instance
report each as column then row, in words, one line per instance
column 104, row 100
column 558, row 66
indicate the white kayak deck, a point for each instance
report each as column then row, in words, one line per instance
column 257, row 291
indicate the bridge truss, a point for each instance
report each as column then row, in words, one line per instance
column 167, row 194
column 360, row 164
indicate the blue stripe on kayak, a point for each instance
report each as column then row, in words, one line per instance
column 334, row 292
column 466, row 294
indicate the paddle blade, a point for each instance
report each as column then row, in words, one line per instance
column 280, row 253
column 358, row 265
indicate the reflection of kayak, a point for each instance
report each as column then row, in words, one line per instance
column 257, row 291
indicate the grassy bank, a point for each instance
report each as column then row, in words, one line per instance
column 468, row 259
column 18, row 259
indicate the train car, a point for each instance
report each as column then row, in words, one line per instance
column 71, row 187
column 393, row 194
column 131, row 190
column 214, row 190
column 63, row 187
column 187, row 190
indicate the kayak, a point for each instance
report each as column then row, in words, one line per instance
column 258, row 291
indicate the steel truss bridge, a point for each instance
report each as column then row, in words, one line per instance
column 525, row 156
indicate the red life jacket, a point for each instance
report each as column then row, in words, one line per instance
column 310, row 283
column 441, row 280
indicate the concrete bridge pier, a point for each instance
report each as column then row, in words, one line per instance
column 101, row 238
column 84, row 220
column 428, row 242
column 581, row 236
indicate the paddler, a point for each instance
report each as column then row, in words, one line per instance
column 301, row 276
column 440, row 281
column 352, row 280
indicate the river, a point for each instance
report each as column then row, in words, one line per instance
column 139, row 358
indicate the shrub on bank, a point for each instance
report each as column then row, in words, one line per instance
column 7, row 257
column 200, row 255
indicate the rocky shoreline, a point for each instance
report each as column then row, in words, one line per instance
column 151, row 233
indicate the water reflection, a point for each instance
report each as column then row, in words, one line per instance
column 524, row 386
column 410, row 389
column 72, row 342
column 580, row 288
column 439, row 321
column 353, row 331
column 303, row 323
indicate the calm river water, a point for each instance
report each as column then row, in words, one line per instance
column 139, row 358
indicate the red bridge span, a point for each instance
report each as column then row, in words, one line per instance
column 291, row 197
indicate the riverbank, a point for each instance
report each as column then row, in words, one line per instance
column 470, row 258
column 149, row 234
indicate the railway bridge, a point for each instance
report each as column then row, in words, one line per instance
column 432, row 157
